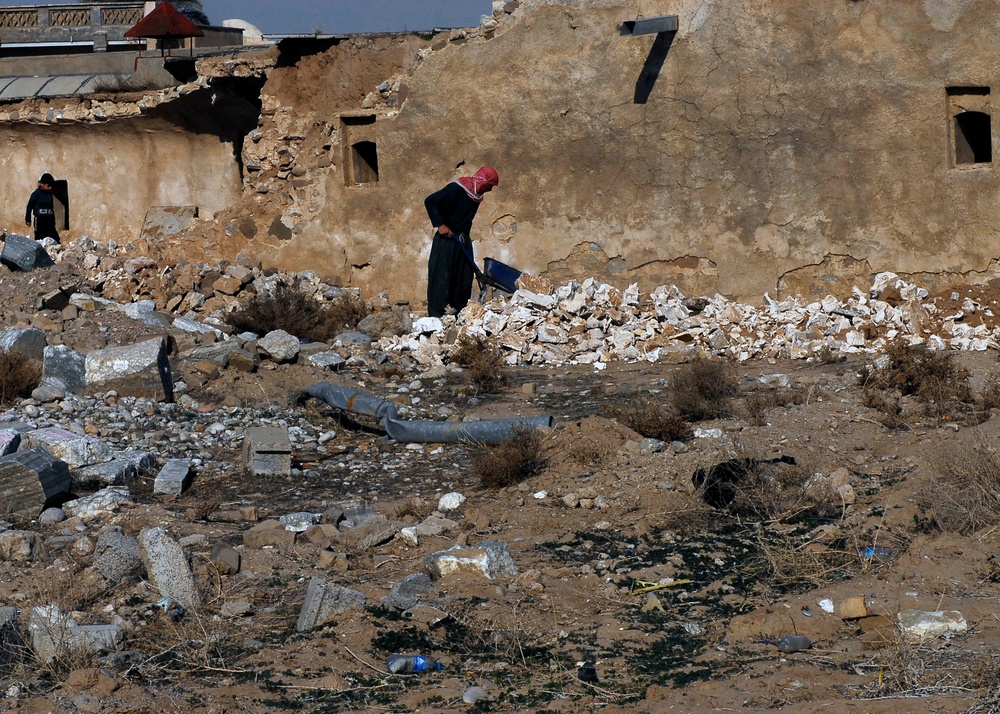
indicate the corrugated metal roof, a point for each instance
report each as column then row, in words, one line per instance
column 163, row 22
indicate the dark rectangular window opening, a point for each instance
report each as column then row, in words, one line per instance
column 360, row 150
column 971, row 130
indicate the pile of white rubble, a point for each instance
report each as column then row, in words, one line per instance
column 595, row 323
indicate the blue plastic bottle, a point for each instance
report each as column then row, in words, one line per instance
column 410, row 664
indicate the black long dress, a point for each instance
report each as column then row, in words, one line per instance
column 449, row 270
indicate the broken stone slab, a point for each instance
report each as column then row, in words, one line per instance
column 278, row 346
column 168, row 567
column 173, row 478
column 30, row 479
column 324, row 601
column 12, row 647
column 406, row 593
column 144, row 461
column 76, row 450
column 64, row 363
column 372, row 533
column 139, row 370
column 116, row 555
column 491, row 559
column 105, row 500
column 225, row 558
column 27, row 341
column 322, row 534
column 920, row 625
column 9, row 441
column 327, row 360
column 22, row 253
column 19, row 546
column 56, row 635
column 144, row 311
column 267, row 451
column 112, row 473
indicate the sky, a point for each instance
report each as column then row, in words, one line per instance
column 335, row 17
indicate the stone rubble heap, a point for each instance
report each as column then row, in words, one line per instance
column 595, row 323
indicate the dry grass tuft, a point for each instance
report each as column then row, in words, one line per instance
column 990, row 396
column 756, row 404
column 18, row 376
column 703, row 389
column 789, row 565
column 932, row 376
column 482, row 360
column 651, row 418
column 965, row 496
column 887, row 404
column 298, row 314
column 510, row 462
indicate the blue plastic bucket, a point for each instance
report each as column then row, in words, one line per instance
column 504, row 276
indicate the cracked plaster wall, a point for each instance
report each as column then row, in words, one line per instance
column 776, row 134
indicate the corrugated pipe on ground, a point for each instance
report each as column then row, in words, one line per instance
column 423, row 432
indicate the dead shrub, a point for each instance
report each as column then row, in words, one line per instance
column 932, row 376
column 651, row 418
column 756, row 404
column 18, row 376
column 593, row 453
column 965, row 496
column 512, row 461
column 687, row 515
column 786, row 564
column 482, row 360
column 829, row 355
column 887, row 404
column 296, row 313
column 990, row 396
column 703, row 389
column 771, row 489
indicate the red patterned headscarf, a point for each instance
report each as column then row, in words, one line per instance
column 484, row 180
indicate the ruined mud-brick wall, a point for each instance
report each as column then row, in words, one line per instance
column 123, row 155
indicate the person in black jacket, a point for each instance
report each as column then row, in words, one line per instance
column 451, row 210
column 43, row 207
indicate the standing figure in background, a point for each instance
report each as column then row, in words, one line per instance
column 42, row 206
column 450, row 268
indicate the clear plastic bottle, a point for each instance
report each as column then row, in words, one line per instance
column 411, row 664
column 793, row 643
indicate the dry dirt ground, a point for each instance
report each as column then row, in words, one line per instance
column 730, row 584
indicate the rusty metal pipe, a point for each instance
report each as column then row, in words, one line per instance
column 422, row 432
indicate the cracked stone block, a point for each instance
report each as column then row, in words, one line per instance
column 324, row 601
column 279, row 346
column 168, row 567
column 54, row 634
column 28, row 341
column 490, row 559
column 116, row 555
column 30, row 479
column 113, row 473
column 64, row 363
column 139, row 370
column 9, row 441
column 74, row 449
column 107, row 499
column 173, row 478
column 267, row 451
column 22, row 253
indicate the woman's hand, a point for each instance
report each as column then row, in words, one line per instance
column 444, row 230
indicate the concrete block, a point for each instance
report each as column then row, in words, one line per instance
column 327, row 360
column 106, row 500
column 30, row 479
column 167, row 567
column 324, row 601
column 225, row 558
column 74, row 449
column 173, row 478
column 489, row 559
column 116, row 555
column 113, row 473
column 267, row 451
column 269, row 532
column 62, row 362
column 139, row 370
column 921, row 626
column 23, row 253
column 28, row 341
column 54, row 634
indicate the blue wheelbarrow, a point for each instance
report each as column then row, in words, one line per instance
column 494, row 274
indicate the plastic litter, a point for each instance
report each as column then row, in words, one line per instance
column 793, row 643
column 411, row 664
